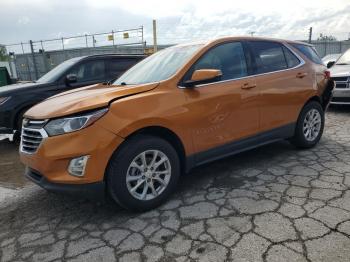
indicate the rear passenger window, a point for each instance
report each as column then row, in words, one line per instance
column 292, row 60
column 309, row 52
column 93, row 70
column 269, row 56
column 229, row 58
column 115, row 67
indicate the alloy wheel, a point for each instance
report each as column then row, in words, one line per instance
column 312, row 125
column 148, row 175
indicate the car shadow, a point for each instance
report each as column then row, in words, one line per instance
column 221, row 174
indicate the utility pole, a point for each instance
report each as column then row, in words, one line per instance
column 155, row 47
column 310, row 34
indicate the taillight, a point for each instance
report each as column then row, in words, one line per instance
column 327, row 74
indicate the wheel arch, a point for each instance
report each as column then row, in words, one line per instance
column 166, row 134
column 18, row 113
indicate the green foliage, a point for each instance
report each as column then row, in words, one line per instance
column 3, row 54
column 323, row 37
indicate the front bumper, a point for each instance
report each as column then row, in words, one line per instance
column 52, row 158
column 93, row 191
column 341, row 96
column 6, row 130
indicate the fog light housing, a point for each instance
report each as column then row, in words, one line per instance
column 77, row 166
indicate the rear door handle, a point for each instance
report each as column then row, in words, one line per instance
column 301, row 75
column 248, row 86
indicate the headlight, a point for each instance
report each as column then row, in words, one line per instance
column 70, row 124
column 4, row 99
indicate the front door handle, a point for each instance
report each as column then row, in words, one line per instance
column 248, row 86
column 301, row 75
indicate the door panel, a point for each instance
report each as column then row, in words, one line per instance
column 227, row 110
column 222, row 113
column 284, row 83
column 283, row 94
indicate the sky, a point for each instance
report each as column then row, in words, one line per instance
column 177, row 20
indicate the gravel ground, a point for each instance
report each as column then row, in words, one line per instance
column 273, row 203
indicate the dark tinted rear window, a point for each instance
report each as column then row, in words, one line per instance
column 292, row 60
column 309, row 52
column 116, row 67
column 269, row 56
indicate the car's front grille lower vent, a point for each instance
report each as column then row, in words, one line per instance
column 342, row 82
column 32, row 135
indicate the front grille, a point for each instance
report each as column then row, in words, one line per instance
column 342, row 82
column 341, row 99
column 32, row 135
column 341, row 79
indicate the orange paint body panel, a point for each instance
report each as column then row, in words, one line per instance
column 203, row 118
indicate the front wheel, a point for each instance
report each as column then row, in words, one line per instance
column 143, row 173
column 310, row 125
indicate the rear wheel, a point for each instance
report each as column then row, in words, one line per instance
column 143, row 173
column 310, row 126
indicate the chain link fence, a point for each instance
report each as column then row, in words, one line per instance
column 331, row 47
column 35, row 58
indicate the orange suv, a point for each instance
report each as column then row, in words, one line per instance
column 179, row 108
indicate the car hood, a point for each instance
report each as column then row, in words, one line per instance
column 340, row 70
column 83, row 99
column 9, row 89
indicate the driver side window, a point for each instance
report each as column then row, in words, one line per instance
column 229, row 58
column 89, row 71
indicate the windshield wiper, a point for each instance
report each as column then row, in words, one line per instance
column 123, row 84
column 343, row 64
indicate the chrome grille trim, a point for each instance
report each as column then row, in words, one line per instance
column 32, row 135
column 342, row 82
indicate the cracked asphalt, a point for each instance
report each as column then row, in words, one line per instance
column 274, row 203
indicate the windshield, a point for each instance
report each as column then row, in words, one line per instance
column 344, row 59
column 159, row 66
column 56, row 72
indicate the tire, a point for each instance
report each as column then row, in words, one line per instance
column 119, row 169
column 305, row 132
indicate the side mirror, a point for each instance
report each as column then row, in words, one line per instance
column 330, row 64
column 203, row 76
column 71, row 79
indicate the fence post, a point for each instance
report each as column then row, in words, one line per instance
column 33, row 57
column 143, row 44
column 28, row 69
column 46, row 66
column 62, row 43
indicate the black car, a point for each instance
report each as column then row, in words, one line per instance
column 16, row 99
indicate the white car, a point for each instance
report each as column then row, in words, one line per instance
column 330, row 58
column 340, row 73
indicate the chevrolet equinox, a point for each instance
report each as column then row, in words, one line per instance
column 179, row 108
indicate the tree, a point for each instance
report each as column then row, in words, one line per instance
column 3, row 53
column 323, row 37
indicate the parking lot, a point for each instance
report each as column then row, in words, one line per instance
column 273, row 203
